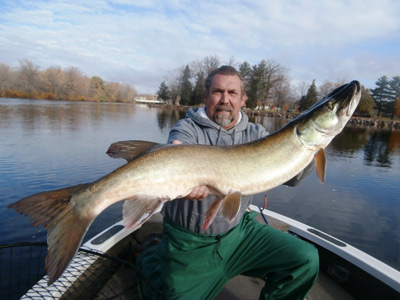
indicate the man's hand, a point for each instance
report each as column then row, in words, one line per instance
column 199, row 192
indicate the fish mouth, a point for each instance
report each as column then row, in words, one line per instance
column 348, row 97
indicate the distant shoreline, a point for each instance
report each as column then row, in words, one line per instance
column 354, row 121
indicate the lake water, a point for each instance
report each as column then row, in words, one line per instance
column 47, row 145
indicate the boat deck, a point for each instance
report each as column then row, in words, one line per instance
column 242, row 287
column 115, row 277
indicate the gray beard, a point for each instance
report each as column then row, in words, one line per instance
column 222, row 120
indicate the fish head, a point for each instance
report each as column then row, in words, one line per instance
column 325, row 119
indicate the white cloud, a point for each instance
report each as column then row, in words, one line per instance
column 140, row 42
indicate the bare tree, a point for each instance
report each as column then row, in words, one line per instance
column 52, row 82
column 204, row 66
column 210, row 63
column 231, row 62
column 129, row 92
column 282, row 93
column 301, row 89
column 327, row 87
column 75, row 84
column 119, row 92
column 28, row 77
column 173, row 82
column 6, row 76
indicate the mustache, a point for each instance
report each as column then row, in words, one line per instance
column 224, row 107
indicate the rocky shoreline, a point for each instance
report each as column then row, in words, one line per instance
column 354, row 121
column 391, row 124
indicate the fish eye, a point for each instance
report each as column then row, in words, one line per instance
column 330, row 106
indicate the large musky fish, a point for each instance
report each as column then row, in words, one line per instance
column 158, row 173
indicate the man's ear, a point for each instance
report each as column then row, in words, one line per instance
column 244, row 99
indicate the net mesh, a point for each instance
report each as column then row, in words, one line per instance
column 91, row 275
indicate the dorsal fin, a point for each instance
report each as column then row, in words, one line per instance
column 129, row 149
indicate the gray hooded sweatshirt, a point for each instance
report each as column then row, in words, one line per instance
column 197, row 128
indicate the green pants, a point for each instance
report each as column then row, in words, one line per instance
column 194, row 266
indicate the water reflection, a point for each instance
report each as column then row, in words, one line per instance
column 349, row 141
column 35, row 114
column 47, row 145
column 167, row 117
column 378, row 145
column 380, row 148
column 271, row 124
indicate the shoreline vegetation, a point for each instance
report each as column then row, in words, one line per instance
column 268, row 87
column 355, row 121
column 28, row 81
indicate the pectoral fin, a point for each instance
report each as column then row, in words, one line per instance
column 212, row 212
column 320, row 165
column 139, row 209
column 231, row 206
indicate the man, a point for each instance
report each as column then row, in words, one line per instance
column 193, row 263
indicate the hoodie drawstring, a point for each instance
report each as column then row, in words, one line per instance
column 234, row 136
column 218, row 136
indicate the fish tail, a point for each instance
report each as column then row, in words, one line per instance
column 66, row 227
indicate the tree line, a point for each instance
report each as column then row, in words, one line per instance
column 268, row 87
column 387, row 96
column 55, row 83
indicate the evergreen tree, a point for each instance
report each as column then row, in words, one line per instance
column 384, row 95
column 394, row 106
column 263, row 83
column 312, row 97
column 186, row 87
column 395, row 85
column 254, row 88
column 163, row 91
column 199, row 88
column 245, row 72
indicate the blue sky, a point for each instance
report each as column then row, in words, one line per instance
column 141, row 42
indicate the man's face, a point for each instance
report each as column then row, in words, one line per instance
column 224, row 100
